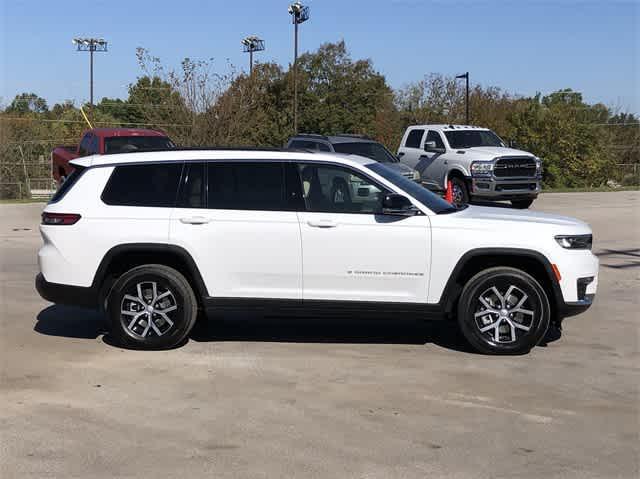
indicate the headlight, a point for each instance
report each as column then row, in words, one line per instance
column 416, row 175
column 575, row 241
column 481, row 168
column 538, row 167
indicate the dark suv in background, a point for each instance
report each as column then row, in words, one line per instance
column 352, row 145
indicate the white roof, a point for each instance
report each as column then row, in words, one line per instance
column 189, row 154
column 449, row 127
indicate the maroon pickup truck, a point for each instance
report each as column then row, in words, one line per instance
column 99, row 141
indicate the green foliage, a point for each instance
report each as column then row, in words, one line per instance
column 26, row 103
column 339, row 95
column 582, row 145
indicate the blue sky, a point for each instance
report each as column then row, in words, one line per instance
column 520, row 46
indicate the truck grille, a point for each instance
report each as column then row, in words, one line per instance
column 512, row 167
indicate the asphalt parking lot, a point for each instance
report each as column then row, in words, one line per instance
column 270, row 398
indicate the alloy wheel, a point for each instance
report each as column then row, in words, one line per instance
column 504, row 316
column 149, row 310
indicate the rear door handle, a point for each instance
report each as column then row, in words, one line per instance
column 195, row 220
column 400, row 154
column 322, row 223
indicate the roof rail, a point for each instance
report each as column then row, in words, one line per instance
column 310, row 135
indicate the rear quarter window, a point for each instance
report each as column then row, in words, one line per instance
column 71, row 180
column 151, row 185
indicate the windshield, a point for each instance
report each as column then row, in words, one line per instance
column 372, row 150
column 127, row 144
column 423, row 195
column 471, row 138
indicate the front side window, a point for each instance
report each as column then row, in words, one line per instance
column 414, row 139
column 372, row 150
column 334, row 189
column 420, row 193
column 246, row 186
column 152, row 185
column 435, row 137
column 471, row 138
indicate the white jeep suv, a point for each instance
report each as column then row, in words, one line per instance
column 155, row 237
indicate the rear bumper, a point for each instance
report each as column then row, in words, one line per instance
column 65, row 294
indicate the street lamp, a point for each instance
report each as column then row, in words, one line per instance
column 90, row 45
column 252, row 44
column 466, row 102
column 299, row 14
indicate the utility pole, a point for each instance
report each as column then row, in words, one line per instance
column 252, row 44
column 90, row 45
column 299, row 14
column 466, row 102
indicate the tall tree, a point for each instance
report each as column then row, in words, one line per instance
column 27, row 103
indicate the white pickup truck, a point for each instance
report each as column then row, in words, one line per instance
column 475, row 160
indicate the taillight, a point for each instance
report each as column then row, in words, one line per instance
column 60, row 218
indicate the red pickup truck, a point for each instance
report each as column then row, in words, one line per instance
column 99, row 141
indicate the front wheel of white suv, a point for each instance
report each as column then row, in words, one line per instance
column 503, row 310
column 151, row 307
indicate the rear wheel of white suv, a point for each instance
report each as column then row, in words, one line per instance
column 503, row 311
column 151, row 307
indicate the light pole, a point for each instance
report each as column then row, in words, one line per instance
column 90, row 45
column 299, row 14
column 466, row 102
column 252, row 44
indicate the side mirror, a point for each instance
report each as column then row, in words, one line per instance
column 430, row 146
column 398, row 205
column 513, row 144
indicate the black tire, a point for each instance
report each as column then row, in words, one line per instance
column 480, row 330
column 172, row 315
column 460, row 192
column 522, row 204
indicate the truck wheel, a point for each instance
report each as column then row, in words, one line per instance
column 151, row 307
column 503, row 311
column 522, row 204
column 460, row 193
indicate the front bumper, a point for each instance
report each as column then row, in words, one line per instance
column 504, row 188
column 65, row 294
column 577, row 307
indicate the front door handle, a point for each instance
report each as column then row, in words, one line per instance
column 322, row 223
column 400, row 154
column 195, row 220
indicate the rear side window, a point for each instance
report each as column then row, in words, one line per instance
column 246, row 186
column 68, row 183
column 153, row 185
column 414, row 139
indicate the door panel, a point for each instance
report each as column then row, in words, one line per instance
column 349, row 251
column 249, row 253
column 365, row 257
